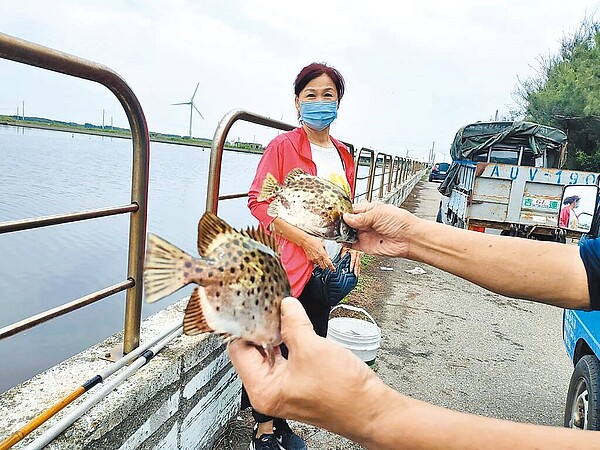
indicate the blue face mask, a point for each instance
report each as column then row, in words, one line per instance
column 319, row 114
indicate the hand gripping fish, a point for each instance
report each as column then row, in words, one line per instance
column 313, row 204
column 240, row 279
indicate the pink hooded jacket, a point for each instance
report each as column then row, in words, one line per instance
column 286, row 152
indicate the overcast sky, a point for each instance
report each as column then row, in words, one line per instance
column 415, row 71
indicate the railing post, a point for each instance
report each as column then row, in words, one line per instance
column 26, row 52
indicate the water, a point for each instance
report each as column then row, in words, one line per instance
column 44, row 173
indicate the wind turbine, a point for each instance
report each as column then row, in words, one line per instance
column 192, row 107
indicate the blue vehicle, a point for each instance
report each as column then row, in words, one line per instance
column 439, row 171
column 581, row 336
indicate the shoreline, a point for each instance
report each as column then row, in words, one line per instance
column 61, row 129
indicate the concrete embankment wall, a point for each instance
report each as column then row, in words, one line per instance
column 180, row 400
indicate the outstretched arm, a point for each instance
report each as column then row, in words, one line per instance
column 546, row 272
column 344, row 396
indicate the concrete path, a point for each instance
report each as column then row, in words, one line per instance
column 454, row 344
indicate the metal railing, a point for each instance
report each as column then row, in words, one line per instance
column 390, row 171
column 25, row 52
column 216, row 152
column 370, row 177
column 32, row 54
column 395, row 170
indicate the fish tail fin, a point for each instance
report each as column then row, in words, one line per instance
column 194, row 320
column 269, row 188
column 164, row 268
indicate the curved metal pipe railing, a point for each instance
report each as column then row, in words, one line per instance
column 216, row 152
column 36, row 55
column 370, row 177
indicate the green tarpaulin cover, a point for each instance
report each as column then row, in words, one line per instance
column 477, row 137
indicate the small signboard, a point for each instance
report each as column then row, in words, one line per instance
column 542, row 204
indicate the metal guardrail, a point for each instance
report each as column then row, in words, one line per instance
column 370, row 177
column 395, row 170
column 32, row 54
column 18, row 50
column 216, row 152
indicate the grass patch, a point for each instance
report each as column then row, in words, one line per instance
column 365, row 281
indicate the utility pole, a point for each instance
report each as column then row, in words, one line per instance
column 102, row 120
column 18, row 113
column 23, row 109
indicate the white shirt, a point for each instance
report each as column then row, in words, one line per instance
column 329, row 166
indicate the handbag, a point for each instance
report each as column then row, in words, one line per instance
column 336, row 283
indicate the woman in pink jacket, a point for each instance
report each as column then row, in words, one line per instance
column 319, row 89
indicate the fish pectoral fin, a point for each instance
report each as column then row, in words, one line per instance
column 227, row 338
column 267, row 352
column 273, row 210
column 269, row 189
column 194, row 320
column 164, row 268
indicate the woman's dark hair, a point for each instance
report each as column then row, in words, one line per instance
column 571, row 199
column 315, row 70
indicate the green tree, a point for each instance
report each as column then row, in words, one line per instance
column 565, row 93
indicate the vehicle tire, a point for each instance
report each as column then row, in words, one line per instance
column 582, row 410
column 430, row 178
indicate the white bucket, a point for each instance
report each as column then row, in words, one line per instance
column 359, row 336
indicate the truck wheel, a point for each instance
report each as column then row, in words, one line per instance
column 583, row 400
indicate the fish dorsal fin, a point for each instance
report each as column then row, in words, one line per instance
column 210, row 228
column 269, row 189
column 260, row 235
column 194, row 321
column 294, row 174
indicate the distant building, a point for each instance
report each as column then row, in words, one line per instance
column 250, row 145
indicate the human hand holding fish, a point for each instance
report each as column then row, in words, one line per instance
column 291, row 387
column 240, row 279
column 316, row 252
column 312, row 246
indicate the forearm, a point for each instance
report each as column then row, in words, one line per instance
column 403, row 422
column 541, row 271
column 289, row 232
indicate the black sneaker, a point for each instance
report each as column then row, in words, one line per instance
column 265, row 442
column 287, row 439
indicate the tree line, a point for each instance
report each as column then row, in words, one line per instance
column 565, row 93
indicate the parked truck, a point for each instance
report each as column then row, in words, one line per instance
column 506, row 178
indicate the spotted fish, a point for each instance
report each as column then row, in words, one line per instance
column 313, row 204
column 240, row 279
